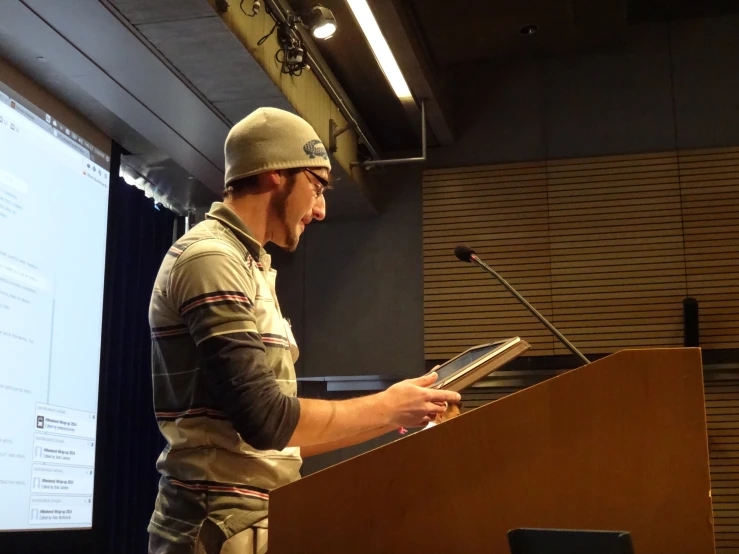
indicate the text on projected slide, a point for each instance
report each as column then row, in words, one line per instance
column 53, row 222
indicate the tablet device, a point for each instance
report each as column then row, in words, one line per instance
column 477, row 362
column 569, row 541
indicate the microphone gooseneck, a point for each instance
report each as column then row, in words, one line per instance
column 466, row 254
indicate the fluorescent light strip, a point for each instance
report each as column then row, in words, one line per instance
column 377, row 42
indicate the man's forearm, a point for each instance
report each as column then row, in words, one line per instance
column 314, row 450
column 324, row 421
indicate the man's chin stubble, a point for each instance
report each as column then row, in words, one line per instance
column 291, row 241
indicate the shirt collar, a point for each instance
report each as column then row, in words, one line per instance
column 225, row 215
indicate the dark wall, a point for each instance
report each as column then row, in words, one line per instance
column 659, row 87
column 355, row 289
column 352, row 290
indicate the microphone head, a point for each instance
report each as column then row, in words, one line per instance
column 464, row 253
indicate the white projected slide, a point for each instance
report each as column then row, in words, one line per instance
column 53, row 221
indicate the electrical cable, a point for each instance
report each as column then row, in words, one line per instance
column 265, row 37
column 254, row 9
column 291, row 54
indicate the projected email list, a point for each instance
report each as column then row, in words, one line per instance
column 53, row 220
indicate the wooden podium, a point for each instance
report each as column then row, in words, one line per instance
column 618, row 444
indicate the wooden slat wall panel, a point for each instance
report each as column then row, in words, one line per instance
column 710, row 198
column 504, row 210
column 606, row 248
column 722, row 413
column 616, row 234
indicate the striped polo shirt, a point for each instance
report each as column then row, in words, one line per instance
column 223, row 377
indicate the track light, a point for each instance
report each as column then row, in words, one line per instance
column 320, row 21
column 366, row 19
column 292, row 54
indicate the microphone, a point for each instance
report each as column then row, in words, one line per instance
column 466, row 254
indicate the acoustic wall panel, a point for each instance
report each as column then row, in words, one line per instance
column 606, row 248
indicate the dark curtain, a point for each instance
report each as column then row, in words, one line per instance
column 128, row 441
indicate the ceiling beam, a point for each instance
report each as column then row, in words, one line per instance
column 328, row 80
column 306, row 93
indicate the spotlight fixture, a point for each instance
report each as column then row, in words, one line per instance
column 320, row 21
column 527, row 30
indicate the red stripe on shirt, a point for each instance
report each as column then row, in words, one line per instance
column 219, row 298
column 219, row 488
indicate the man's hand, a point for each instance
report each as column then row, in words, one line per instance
column 338, row 423
column 411, row 404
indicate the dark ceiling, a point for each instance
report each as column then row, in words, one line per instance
column 470, row 30
column 660, row 11
column 465, row 32
column 477, row 30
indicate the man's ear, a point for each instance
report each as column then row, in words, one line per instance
column 270, row 180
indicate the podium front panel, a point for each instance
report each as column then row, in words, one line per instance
column 619, row 444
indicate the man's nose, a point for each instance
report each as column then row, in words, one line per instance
column 319, row 208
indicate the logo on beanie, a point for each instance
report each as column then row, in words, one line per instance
column 315, row 149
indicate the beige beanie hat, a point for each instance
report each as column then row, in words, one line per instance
column 270, row 139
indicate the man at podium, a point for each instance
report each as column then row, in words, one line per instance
column 225, row 393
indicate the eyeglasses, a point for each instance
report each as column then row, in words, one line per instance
column 323, row 183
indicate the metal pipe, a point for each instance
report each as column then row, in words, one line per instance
column 340, row 104
column 398, row 161
column 423, row 128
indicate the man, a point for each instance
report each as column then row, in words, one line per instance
column 222, row 354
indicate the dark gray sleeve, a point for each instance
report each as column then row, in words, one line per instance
column 244, row 388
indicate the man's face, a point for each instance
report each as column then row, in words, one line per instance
column 299, row 201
